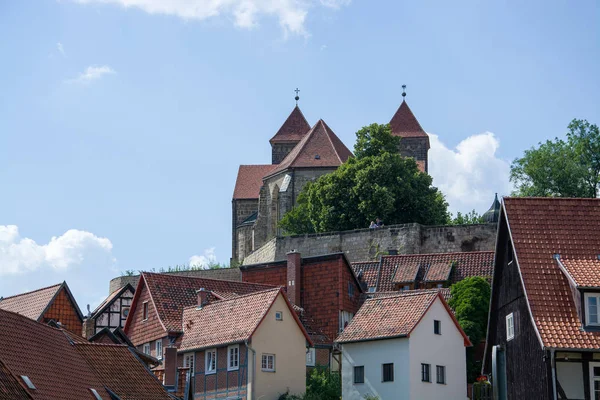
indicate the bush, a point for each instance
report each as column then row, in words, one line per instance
column 321, row 384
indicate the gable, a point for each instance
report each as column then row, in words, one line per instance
column 138, row 330
column 64, row 311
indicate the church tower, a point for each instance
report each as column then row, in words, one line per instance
column 289, row 135
column 414, row 141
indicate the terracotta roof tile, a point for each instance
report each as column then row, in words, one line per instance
column 293, row 129
column 227, row 321
column 172, row 293
column 585, row 273
column 445, row 292
column 540, row 228
column 10, row 386
column 404, row 123
column 122, row 372
column 31, row 304
column 368, row 272
column 320, row 147
column 249, row 181
column 438, row 272
column 391, row 316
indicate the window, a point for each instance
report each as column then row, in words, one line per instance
column 159, row 353
column 211, row 361
column 278, row 316
column 440, row 285
column 233, row 355
column 345, row 318
column 595, row 380
column 425, row 377
column 310, row 357
column 268, row 362
column 406, row 287
column 510, row 327
column 592, row 301
column 359, row 374
column 146, row 348
column 388, row 373
column 28, row 382
column 188, row 361
column 95, row 394
column 437, row 327
column 145, row 311
column 124, row 312
column 441, row 374
column 372, row 289
column 350, row 289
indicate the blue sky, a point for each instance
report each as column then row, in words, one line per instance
column 122, row 128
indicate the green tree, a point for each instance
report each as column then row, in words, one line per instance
column 377, row 183
column 468, row 218
column 375, row 139
column 561, row 168
column 470, row 300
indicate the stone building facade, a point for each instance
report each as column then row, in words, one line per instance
column 300, row 154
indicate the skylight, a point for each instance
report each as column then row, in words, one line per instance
column 28, row 382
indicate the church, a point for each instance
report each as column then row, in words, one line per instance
column 299, row 154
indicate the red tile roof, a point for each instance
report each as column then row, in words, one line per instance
column 31, row 304
column 320, row 147
column 249, row 181
column 229, row 321
column 122, row 372
column 10, row 386
column 445, row 292
column 404, row 123
column 392, row 316
column 293, row 129
column 368, row 272
column 172, row 293
column 438, row 272
column 585, row 273
column 406, row 273
column 46, row 356
column 111, row 297
column 540, row 228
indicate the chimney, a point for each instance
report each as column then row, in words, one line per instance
column 170, row 364
column 294, row 276
column 202, row 297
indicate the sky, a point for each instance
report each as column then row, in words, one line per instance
column 123, row 122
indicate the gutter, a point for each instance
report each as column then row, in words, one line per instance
column 251, row 368
column 553, row 366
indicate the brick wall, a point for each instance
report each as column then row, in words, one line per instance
column 142, row 331
column 223, row 380
column 369, row 244
column 63, row 311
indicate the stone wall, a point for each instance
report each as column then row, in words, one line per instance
column 369, row 244
column 240, row 210
column 227, row 274
column 415, row 147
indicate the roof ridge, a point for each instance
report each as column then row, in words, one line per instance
column 434, row 254
column 32, row 291
column 33, row 320
column 404, row 294
column 237, row 297
column 208, row 279
column 328, row 133
column 99, row 344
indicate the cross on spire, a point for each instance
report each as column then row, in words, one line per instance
column 297, row 97
column 403, row 91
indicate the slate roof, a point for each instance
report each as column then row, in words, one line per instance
column 293, row 129
column 405, row 124
column 540, row 228
column 63, row 369
column 31, row 304
column 392, row 316
column 584, row 272
column 119, row 369
column 10, row 386
column 320, row 147
column 249, row 181
column 229, row 321
column 172, row 293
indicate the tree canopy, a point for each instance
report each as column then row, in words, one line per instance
column 561, row 168
column 470, row 300
column 377, row 183
column 472, row 217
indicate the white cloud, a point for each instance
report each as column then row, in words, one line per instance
column 69, row 251
column 93, row 73
column 208, row 257
column 471, row 173
column 291, row 14
column 60, row 49
column 323, row 47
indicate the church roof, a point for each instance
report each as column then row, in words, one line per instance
column 320, row 147
column 293, row 129
column 405, row 124
column 249, row 181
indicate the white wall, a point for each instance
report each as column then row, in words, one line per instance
column 446, row 349
column 372, row 355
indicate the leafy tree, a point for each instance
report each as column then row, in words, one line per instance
column 470, row 300
column 375, row 139
column 378, row 183
column 468, row 218
column 561, row 168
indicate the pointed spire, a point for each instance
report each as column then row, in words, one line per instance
column 404, row 123
column 293, row 129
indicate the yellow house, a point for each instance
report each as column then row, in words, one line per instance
column 243, row 347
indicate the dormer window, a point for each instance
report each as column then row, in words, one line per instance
column 592, row 301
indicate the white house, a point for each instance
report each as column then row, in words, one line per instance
column 404, row 346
